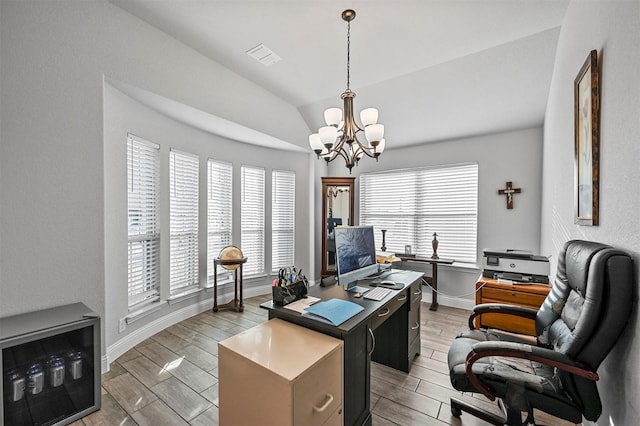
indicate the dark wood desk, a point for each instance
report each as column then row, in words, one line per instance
column 433, row 279
column 387, row 332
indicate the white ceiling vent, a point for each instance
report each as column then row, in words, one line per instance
column 264, row 55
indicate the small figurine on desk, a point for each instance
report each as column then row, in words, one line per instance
column 384, row 244
column 434, row 244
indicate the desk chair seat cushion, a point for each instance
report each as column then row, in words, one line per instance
column 463, row 345
column 582, row 318
column 511, row 375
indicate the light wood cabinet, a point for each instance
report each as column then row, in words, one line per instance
column 527, row 295
column 279, row 373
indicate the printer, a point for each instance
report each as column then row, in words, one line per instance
column 515, row 265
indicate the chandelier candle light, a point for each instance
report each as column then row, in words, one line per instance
column 340, row 136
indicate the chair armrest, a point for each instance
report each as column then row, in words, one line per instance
column 520, row 350
column 499, row 308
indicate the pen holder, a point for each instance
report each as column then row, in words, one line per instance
column 283, row 295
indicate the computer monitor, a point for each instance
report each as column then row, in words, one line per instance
column 356, row 255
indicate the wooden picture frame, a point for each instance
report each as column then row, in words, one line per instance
column 587, row 142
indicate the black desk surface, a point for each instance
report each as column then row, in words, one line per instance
column 337, row 292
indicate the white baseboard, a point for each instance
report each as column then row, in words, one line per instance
column 130, row 340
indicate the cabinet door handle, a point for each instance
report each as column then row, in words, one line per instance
column 373, row 341
column 325, row 405
column 402, row 298
column 385, row 313
column 418, row 291
column 415, row 327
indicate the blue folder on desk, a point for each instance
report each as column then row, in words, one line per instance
column 333, row 311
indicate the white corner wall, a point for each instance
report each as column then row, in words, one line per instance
column 54, row 57
column 613, row 29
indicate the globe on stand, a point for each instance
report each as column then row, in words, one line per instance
column 231, row 259
column 231, row 253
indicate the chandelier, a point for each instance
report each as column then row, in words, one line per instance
column 340, row 136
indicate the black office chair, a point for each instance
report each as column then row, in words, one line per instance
column 577, row 325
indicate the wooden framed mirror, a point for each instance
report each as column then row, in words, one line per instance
column 337, row 209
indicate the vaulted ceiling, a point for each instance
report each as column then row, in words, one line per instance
column 435, row 69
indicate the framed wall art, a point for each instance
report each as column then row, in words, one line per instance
column 587, row 141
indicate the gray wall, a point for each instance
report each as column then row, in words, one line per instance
column 613, row 29
column 512, row 156
column 53, row 199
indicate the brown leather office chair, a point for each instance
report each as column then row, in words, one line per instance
column 577, row 325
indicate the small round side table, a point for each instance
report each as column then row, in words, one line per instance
column 235, row 303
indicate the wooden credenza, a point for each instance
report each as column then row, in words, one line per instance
column 527, row 295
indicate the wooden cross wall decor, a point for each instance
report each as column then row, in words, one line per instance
column 509, row 191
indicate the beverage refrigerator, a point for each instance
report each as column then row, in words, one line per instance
column 50, row 363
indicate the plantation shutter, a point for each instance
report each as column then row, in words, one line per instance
column 252, row 219
column 183, row 218
column 283, row 191
column 219, row 211
column 413, row 204
column 143, row 189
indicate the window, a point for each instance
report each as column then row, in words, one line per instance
column 183, row 222
column 219, row 210
column 252, row 220
column 143, row 189
column 283, row 193
column 412, row 204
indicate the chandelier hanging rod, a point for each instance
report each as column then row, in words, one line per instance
column 338, row 136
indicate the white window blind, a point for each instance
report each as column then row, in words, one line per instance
column 143, row 189
column 252, row 220
column 183, row 218
column 219, row 211
column 412, row 204
column 283, row 193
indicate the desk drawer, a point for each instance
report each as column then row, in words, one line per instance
column 317, row 394
column 414, row 349
column 414, row 322
column 388, row 309
column 416, row 292
column 511, row 297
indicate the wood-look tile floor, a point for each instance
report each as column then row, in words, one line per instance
column 172, row 377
